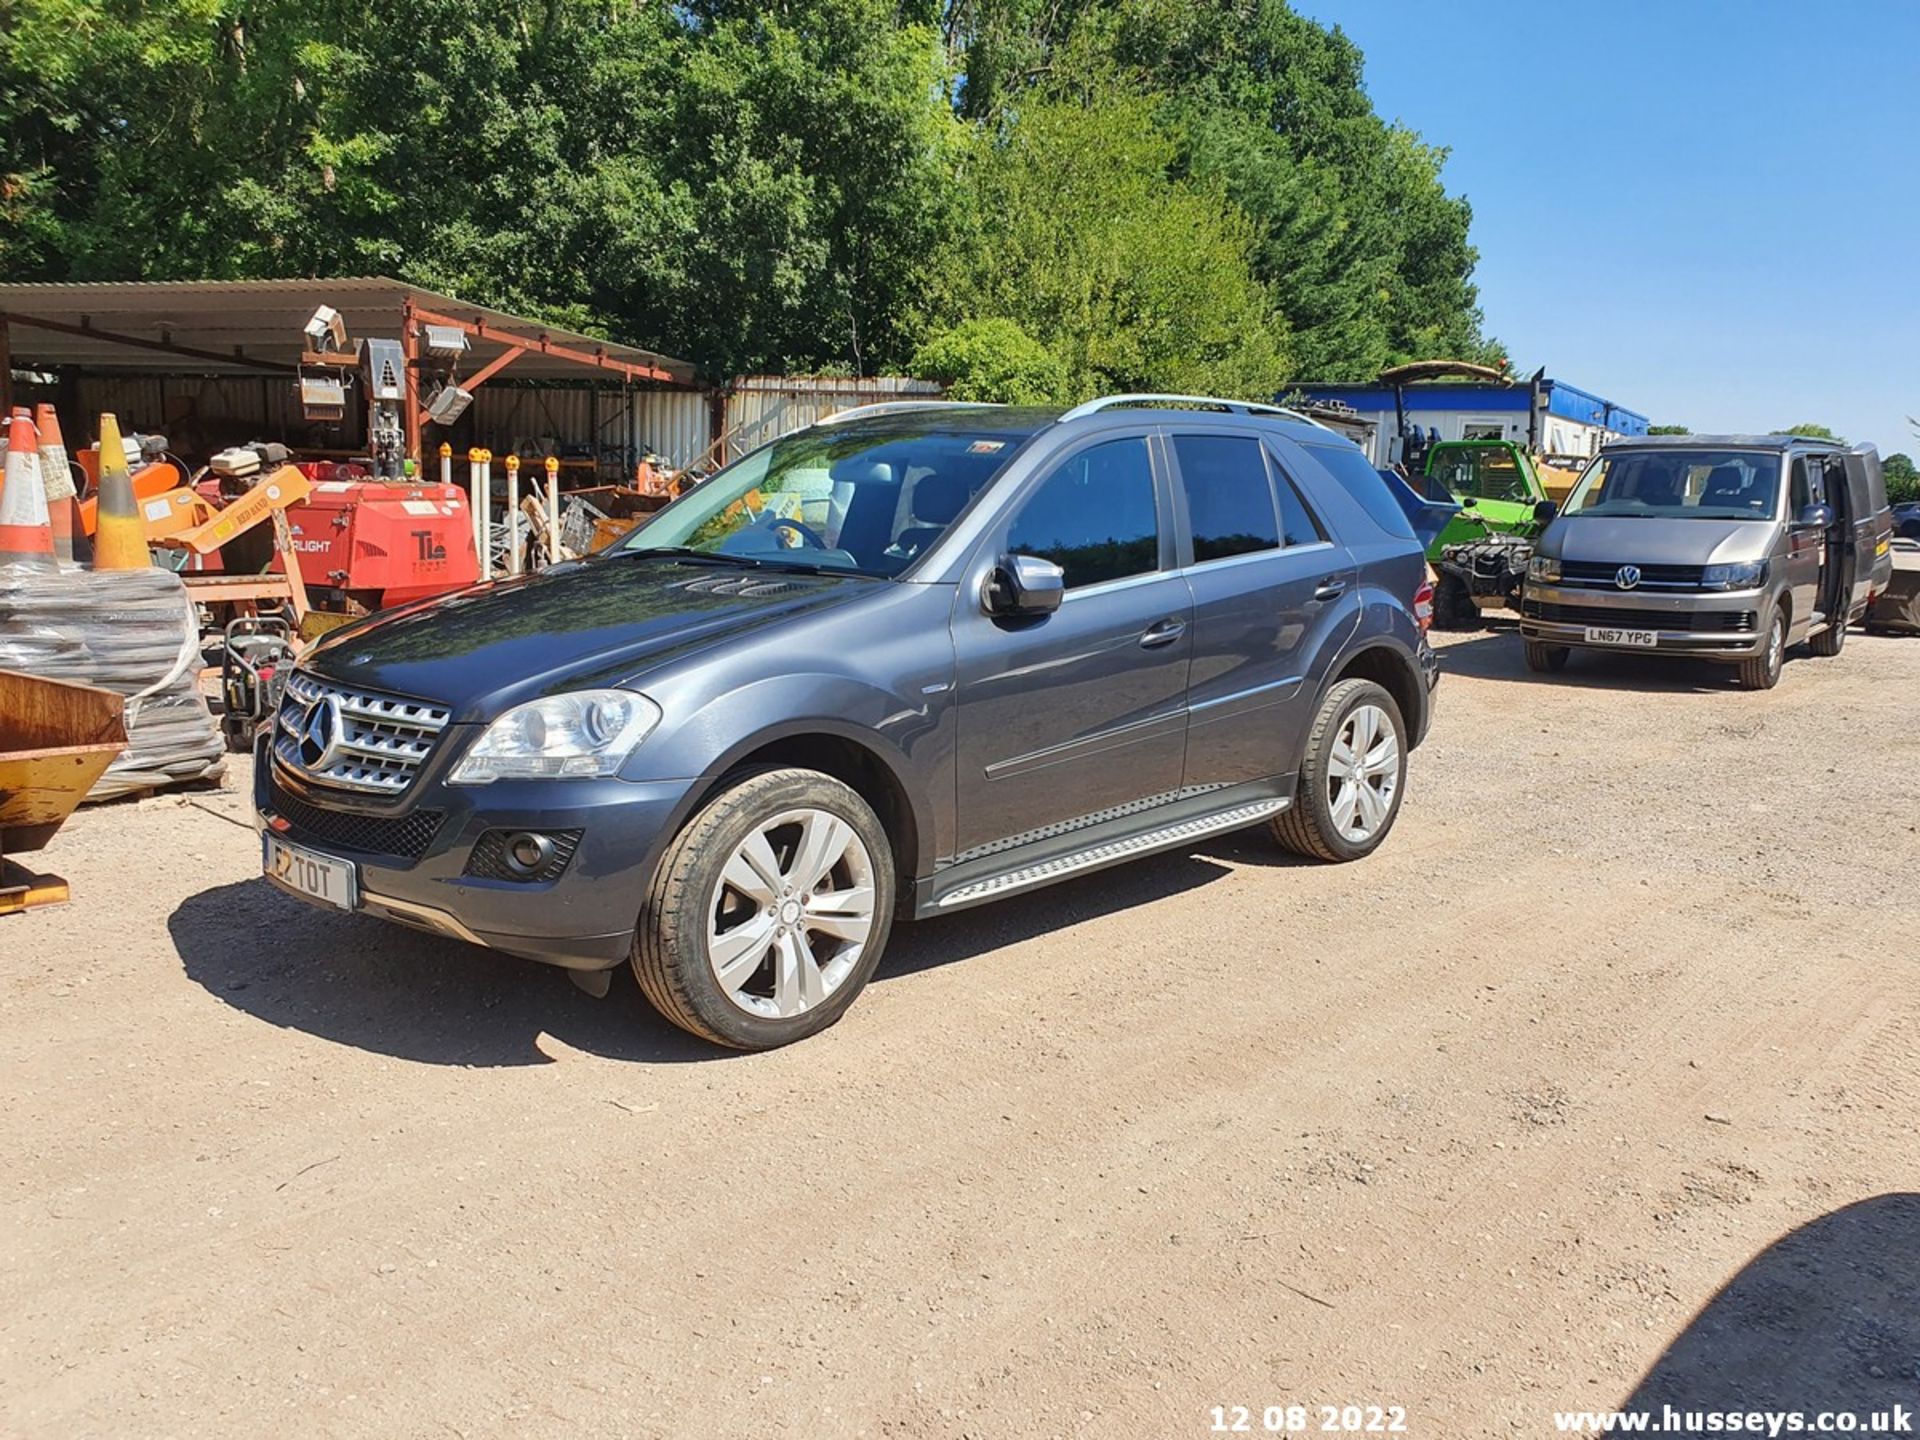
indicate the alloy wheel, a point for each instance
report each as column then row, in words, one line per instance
column 1363, row 772
column 791, row 914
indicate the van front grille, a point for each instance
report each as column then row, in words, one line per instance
column 1697, row 621
column 1599, row 574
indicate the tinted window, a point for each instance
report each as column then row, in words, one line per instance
column 1229, row 500
column 1803, row 489
column 1094, row 516
column 1358, row 477
column 1297, row 522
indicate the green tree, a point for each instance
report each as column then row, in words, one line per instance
column 1132, row 280
column 1903, row 479
column 758, row 184
column 1669, row 430
column 992, row 360
column 1365, row 253
column 1813, row 432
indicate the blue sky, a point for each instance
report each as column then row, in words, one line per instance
column 1708, row 212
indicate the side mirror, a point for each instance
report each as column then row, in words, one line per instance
column 1467, row 502
column 1815, row 517
column 1546, row 512
column 1024, row 585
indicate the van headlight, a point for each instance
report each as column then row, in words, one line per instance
column 1545, row 568
column 1747, row 575
column 587, row 733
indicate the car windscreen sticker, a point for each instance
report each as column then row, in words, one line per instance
column 986, row 447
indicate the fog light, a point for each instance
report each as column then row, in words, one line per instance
column 529, row 853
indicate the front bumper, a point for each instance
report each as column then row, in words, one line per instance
column 582, row 920
column 1724, row 625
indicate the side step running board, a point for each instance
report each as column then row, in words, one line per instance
column 1111, row 853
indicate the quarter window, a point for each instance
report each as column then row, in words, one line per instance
column 1297, row 522
column 1229, row 498
column 1094, row 517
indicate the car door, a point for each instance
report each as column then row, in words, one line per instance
column 1268, row 585
column 1068, row 717
column 1806, row 544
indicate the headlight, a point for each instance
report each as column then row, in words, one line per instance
column 1748, row 575
column 1544, row 567
column 587, row 733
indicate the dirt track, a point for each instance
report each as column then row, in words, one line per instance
column 1475, row 1128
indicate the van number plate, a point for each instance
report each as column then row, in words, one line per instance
column 318, row 877
column 1607, row 635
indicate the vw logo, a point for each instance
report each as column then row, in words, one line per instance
column 321, row 733
column 1627, row 576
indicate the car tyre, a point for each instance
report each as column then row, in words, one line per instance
column 1762, row 671
column 1341, row 761
column 1453, row 607
column 1545, row 659
column 768, row 912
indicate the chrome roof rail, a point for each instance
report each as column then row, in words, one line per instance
column 902, row 407
column 1238, row 407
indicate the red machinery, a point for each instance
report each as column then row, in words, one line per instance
column 376, row 543
column 364, row 544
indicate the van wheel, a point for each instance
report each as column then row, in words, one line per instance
column 1762, row 671
column 1544, row 659
column 1351, row 777
column 769, row 911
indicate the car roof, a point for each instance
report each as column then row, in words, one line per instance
column 1721, row 442
column 1027, row 420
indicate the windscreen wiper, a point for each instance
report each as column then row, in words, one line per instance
column 687, row 552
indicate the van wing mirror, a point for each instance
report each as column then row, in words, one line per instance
column 1545, row 511
column 1024, row 585
column 1815, row 517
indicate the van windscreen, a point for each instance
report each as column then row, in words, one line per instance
column 1681, row 484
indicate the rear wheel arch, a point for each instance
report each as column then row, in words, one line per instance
column 1395, row 672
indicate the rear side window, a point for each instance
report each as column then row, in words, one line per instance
column 1356, row 475
column 1296, row 520
column 1094, row 517
column 1229, row 498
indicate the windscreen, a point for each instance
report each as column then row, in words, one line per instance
column 862, row 500
column 1681, row 484
column 1485, row 472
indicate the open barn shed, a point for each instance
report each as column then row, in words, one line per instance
column 215, row 363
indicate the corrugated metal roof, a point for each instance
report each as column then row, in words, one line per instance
column 255, row 325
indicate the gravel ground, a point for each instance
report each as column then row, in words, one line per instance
column 1627, row 1011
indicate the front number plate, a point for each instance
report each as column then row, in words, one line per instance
column 1606, row 635
column 318, row 877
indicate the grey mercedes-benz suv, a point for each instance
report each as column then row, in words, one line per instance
column 908, row 660
column 1725, row 547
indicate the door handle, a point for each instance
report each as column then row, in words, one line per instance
column 1163, row 632
column 1330, row 590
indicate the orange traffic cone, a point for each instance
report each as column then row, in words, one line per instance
column 119, row 534
column 56, row 479
column 25, row 536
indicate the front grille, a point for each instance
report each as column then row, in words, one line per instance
column 488, row 860
column 1600, row 573
column 378, row 741
column 1698, row 621
column 406, row 836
